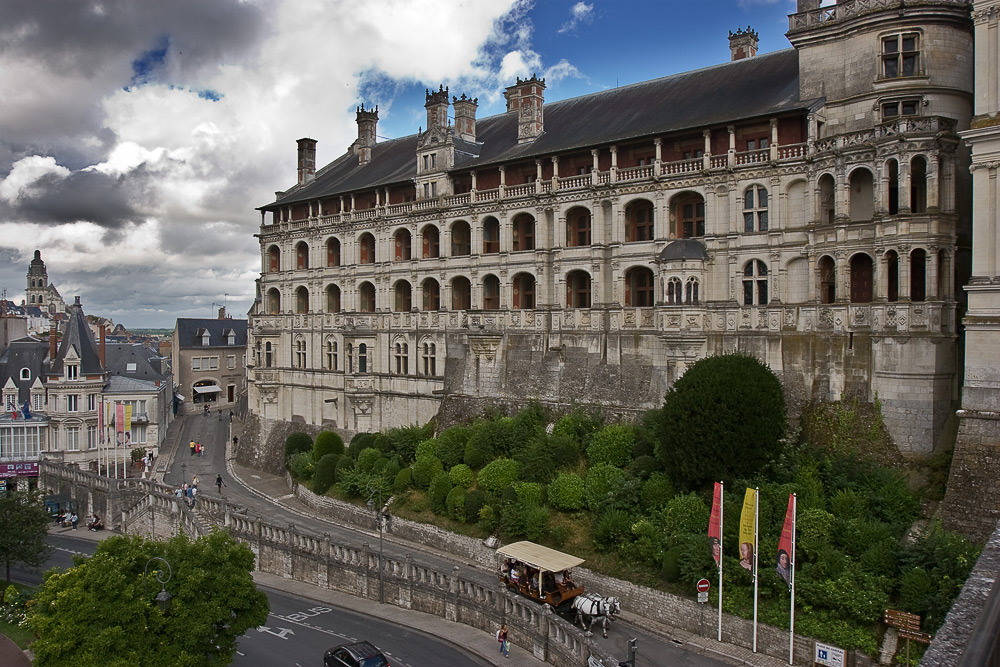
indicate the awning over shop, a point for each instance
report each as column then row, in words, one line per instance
column 208, row 389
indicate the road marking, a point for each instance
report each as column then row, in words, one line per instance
column 280, row 632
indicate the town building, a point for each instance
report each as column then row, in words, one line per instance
column 208, row 358
column 810, row 206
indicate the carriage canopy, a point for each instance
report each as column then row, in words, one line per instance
column 537, row 556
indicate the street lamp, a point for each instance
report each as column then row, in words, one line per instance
column 163, row 597
column 377, row 490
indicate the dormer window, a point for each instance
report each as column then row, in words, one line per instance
column 205, row 338
column 130, row 367
column 231, row 337
column 72, row 372
column 25, row 373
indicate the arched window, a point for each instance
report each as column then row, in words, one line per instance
column 432, row 294
column 366, row 247
column 332, row 299
column 431, row 242
column 639, row 287
column 461, row 239
column 918, row 184
column 578, row 289
column 403, row 294
column 402, row 245
column 827, row 280
column 333, row 252
column 674, row 294
column 892, row 275
column 273, row 259
column 362, row 358
column 689, row 212
column 524, row 291
column 428, row 358
column 401, row 356
column 273, row 301
column 300, row 353
column 491, row 292
column 755, row 209
column 461, row 293
column 892, row 167
column 639, row 221
column 301, row 300
column 918, row 275
column 523, row 232
column 301, row 255
column 827, row 199
column 366, row 297
column 578, row 227
column 491, row 235
column 862, row 200
column 755, row 283
column 268, row 355
column 861, row 278
column 331, row 354
column 691, row 291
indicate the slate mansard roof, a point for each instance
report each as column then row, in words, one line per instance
column 30, row 353
column 80, row 338
column 756, row 87
column 190, row 330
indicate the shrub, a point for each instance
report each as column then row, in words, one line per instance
column 455, row 503
column 327, row 442
column 856, row 536
column 426, row 448
column 890, row 496
column 613, row 445
column 438, row 492
column 461, row 475
column 848, row 504
column 602, row 479
column 670, row 568
column 344, row 465
column 656, row 492
column 529, row 493
column 612, row 530
column 368, row 460
column 450, row 445
column 474, row 501
column 566, row 492
column 536, row 460
column 426, row 469
column 578, row 424
column 301, row 465
column 404, row 440
column 297, row 442
column 359, row 442
column 498, row 475
column 531, row 521
column 326, row 473
column 565, row 449
column 715, row 432
column 684, row 514
column 403, row 480
column 642, row 467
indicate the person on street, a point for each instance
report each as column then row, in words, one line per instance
column 502, row 638
column 74, row 520
column 219, row 483
column 192, row 446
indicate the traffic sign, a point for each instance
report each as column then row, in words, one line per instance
column 703, row 597
column 703, row 585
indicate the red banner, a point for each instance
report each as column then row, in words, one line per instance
column 715, row 524
column 786, row 555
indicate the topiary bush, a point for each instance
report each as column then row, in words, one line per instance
column 437, row 493
column 359, row 442
column 424, row 470
column 326, row 473
column 368, row 460
column 462, row 475
column 566, row 492
column 684, row 514
column 656, row 492
column 301, row 465
column 426, row 448
column 403, row 480
column 327, row 442
column 714, row 431
column 455, row 503
column 613, row 445
column 602, row 479
column 498, row 475
column 297, row 442
column 450, row 445
column 529, row 493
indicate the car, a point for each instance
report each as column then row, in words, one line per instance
column 361, row 654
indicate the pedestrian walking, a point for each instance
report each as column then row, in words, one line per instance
column 236, row 441
column 74, row 520
column 201, row 449
column 219, row 483
column 192, row 446
column 208, row 411
column 194, row 481
column 194, row 494
column 502, row 638
column 230, row 416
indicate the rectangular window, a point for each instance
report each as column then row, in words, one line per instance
column 139, row 434
column 899, row 55
column 10, row 403
column 231, row 362
column 130, row 367
column 434, row 189
column 73, row 439
column 91, row 401
column 72, row 372
column 204, row 363
column 39, row 402
column 427, row 190
column 91, row 437
column 72, row 403
column 427, row 162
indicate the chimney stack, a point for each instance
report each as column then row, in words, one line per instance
column 367, row 120
column 53, row 345
column 743, row 44
column 307, row 160
column 527, row 99
column 465, row 117
column 437, row 108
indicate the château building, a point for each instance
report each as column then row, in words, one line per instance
column 810, row 206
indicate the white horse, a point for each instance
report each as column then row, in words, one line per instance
column 591, row 608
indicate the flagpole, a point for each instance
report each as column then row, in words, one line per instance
column 722, row 514
column 756, row 530
column 791, row 625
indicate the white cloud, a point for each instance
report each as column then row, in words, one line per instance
column 581, row 12
column 25, row 173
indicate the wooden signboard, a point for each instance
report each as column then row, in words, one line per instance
column 902, row 620
column 922, row 637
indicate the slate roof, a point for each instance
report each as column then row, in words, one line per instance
column 28, row 352
column 118, row 384
column 683, row 249
column 78, row 336
column 148, row 362
column 189, row 332
column 756, row 87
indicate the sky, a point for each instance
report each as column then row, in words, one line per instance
column 137, row 137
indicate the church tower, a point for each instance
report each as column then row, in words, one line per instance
column 38, row 283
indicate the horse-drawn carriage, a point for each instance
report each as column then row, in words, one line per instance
column 544, row 575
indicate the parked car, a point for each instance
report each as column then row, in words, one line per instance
column 362, row 654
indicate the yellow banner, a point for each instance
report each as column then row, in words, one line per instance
column 748, row 529
column 128, row 424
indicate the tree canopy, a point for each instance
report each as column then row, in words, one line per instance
column 722, row 420
column 102, row 610
column 24, row 523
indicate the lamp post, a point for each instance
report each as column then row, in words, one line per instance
column 163, row 597
column 377, row 490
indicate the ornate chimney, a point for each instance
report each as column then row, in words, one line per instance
column 526, row 98
column 465, row 116
column 437, row 108
column 307, row 160
column 367, row 120
column 743, row 44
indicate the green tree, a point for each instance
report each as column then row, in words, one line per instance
column 612, row 444
column 723, row 419
column 297, row 442
column 327, row 442
column 326, row 473
column 101, row 612
column 23, row 527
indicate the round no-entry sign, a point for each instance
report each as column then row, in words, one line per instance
column 703, row 585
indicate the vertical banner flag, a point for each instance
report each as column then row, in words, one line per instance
column 748, row 530
column 715, row 525
column 120, row 423
column 786, row 555
column 128, row 425
column 100, row 422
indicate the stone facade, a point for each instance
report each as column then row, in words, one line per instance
column 814, row 215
